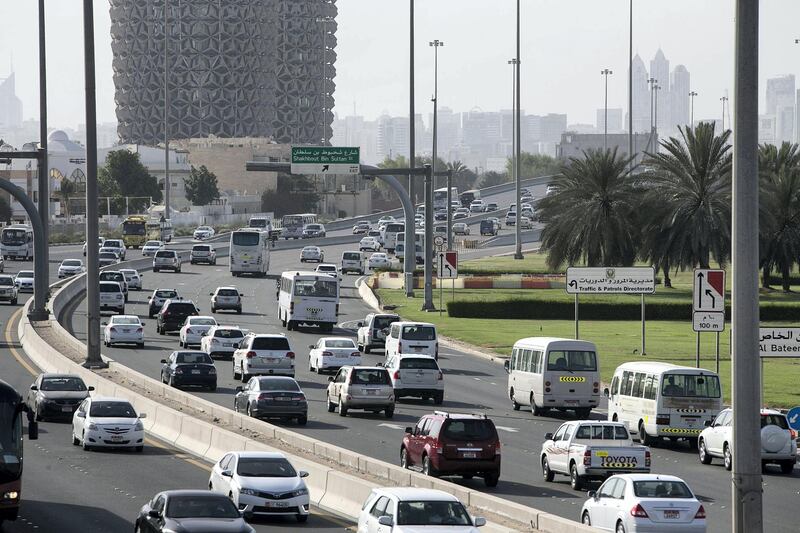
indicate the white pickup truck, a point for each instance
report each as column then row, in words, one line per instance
column 373, row 329
column 592, row 449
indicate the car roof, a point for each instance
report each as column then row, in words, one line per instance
column 125, row 316
column 771, row 412
column 227, row 287
column 412, row 323
column 417, row 494
column 261, row 455
column 649, row 477
column 542, row 341
column 193, row 493
column 202, row 316
column 59, row 375
column 109, row 399
column 164, row 289
column 270, row 335
column 415, row 356
column 110, row 282
column 336, row 339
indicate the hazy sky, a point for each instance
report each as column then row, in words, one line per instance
column 565, row 44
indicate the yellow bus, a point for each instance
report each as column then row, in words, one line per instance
column 134, row 232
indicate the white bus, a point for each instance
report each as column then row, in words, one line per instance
column 309, row 298
column 262, row 223
column 400, row 248
column 664, row 400
column 292, row 225
column 16, row 242
column 550, row 373
column 440, row 197
column 249, row 252
column 389, row 235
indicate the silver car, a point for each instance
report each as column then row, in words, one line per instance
column 272, row 397
column 312, row 253
column 56, row 395
column 132, row 277
column 226, row 298
column 368, row 388
column 8, row 289
column 166, row 259
column 24, row 280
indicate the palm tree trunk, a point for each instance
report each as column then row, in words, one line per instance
column 786, row 271
column 765, row 274
column 665, row 268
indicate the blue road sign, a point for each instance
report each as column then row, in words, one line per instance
column 794, row 418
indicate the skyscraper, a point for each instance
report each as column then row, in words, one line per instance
column 679, row 96
column 781, row 105
column 10, row 105
column 659, row 69
column 239, row 68
column 641, row 97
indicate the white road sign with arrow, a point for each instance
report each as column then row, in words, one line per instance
column 447, row 265
column 708, row 300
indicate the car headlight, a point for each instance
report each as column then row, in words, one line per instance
column 249, row 492
column 91, row 426
column 300, row 492
column 138, row 426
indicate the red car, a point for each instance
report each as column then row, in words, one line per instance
column 444, row 444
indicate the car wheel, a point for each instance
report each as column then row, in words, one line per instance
column 586, row 519
column 514, row 403
column 490, row 480
column 302, row 518
column 213, row 309
column 547, row 474
column 342, row 408
column 389, row 412
column 404, row 458
column 644, row 438
column 290, row 325
column 212, row 387
column 245, row 377
column 427, row 468
column 702, row 452
column 535, row 409
column 575, row 481
column 249, row 411
column 139, row 449
column 366, row 349
column 180, row 343
column 302, row 420
column 787, row 466
column 236, row 375
column 620, row 527
column 14, row 301
column 171, row 381
column 86, row 447
column 583, row 413
column 331, row 405
column 727, row 457
column 75, row 440
column 438, row 398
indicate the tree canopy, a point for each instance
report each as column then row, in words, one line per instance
column 201, row 186
column 294, row 194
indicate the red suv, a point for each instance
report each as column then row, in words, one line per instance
column 445, row 444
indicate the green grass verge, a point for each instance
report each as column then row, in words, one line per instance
column 617, row 341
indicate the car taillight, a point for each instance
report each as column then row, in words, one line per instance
column 396, row 374
column 290, row 355
column 701, row 513
column 263, row 396
column 179, row 371
column 793, row 434
column 647, row 459
column 327, row 354
column 441, row 376
column 587, row 458
column 662, row 420
column 546, row 383
column 212, row 370
column 497, row 448
column 595, row 387
column 437, row 350
column 355, row 354
column 139, row 330
column 298, row 398
column 337, row 309
column 638, row 511
column 214, row 341
column 113, row 330
column 189, row 331
column 250, row 355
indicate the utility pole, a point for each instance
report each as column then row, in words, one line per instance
column 324, row 86
column 605, row 72
column 746, row 485
column 656, row 88
column 517, row 153
column 428, row 303
column 692, row 94
column 724, row 101
column 167, row 184
column 410, row 234
column 43, row 168
column 513, row 63
column 652, row 82
column 630, row 82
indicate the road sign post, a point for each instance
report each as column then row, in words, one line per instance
column 446, row 268
column 708, row 306
column 325, row 160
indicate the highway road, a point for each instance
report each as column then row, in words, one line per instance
column 68, row 490
column 472, row 384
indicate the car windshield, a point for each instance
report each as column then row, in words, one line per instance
column 166, row 294
column 165, row 253
column 265, row 467
column 272, row 384
column 245, row 238
column 107, row 255
column 419, row 333
column 351, row 256
column 468, row 429
column 72, row 262
column 113, row 244
column 126, row 320
column 270, row 343
column 111, row 276
column 229, row 334
column 184, row 308
column 380, row 322
column 193, row 358
column 201, row 248
column 690, row 385
column 571, row 361
column 310, row 250
column 227, row 292
column 370, row 376
column 661, row 489
column 339, row 343
column 112, row 410
column 109, row 287
column 6, row 280
column 63, row 383
column 602, row 432
column 418, row 363
column 25, row 274
column 774, row 420
column 153, row 243
column 326, row 268
column 432, row 513
column 202, row 322
column 211, row 506
column 314, row 227
column 318, row 288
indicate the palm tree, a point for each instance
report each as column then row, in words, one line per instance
column 66, row 191
column 590, row 214
column 688, row 195
column 779, row 217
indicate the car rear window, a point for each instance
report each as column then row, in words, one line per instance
column 370, row 376
column 351, row 256
column 227, row 292
column 418, row 363
column 270, row 343
column 602, row 432
column 110, row 287
column 111, row 276
column 419, row 333
column 661, row 489
column 384, row 321
column 112, row 410
column 468, row 429
column 774, row 420
column 6, row 280
column 193, row 358
column 165, row 253
column 340, row 343
column 72, row 262
column 278, row 384
column 229, row 334
column 201, row 248
column 181, row 308
column 63, row 384
column 166, row 294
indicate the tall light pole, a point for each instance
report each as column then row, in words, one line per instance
column 724, row 101
column 518, row 151
column 436, row 43
column 605, row 73
column 43, row 169
column 409, row 228
column 692, row 94
column 656, row 88
column 167, row 184
column 630, row 81
column 427, row 304
column 324, row 86
column 652, row 82
column 746, row 483
column 513, row 63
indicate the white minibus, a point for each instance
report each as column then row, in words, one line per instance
column 389, row 235
column 663, row 400
column 417, row 338
column 16, row 242
column 249, row 252
column 551, row 373
column 310, row 298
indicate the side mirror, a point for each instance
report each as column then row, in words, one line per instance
column 239, row 389
column 330, row 379
column 360, row 325
column 311, row 346
column 408, row 430
column 479, row 521
column 247, row 515
column 142, row 415
column 303, row 473
column 34, row 387
column 385, row 521
column 103, row 323
column 606, row 392
column 226, row 473
column 143, row 324
column 91, row 389
column 708, row 423
column 548, row 436
column 507, row 366
column 379, row 364
column 241, row 294
column 211, row 294
column 592, row 494
column 81, row 414
column 163, row 361
column 152, row 513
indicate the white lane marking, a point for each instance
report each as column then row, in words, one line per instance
column 477, row 379
column 504, row 428
column 390, row 426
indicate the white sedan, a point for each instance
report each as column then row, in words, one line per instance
column 132, row 278
column 192, row 331
column 70, row 267
column 332, row 353
column 124, row 329
column 369, row 243
column 525, row 223
column 264, row 483
column 107, row 423
column 379, row 260
column 151, row 247
column 460, row 228
column 644, row 502
column 203, row 232
column 312, row 253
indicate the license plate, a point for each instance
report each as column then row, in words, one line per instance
column 116, row 438
column 469, row 455
column 672, row 515
column 270, row 361
column 371, row 392
column 282, row 399
column 125, row 330
column 571, row 401
column 277, row 504
column 227, row 344
column 66, row 409
column 195, row 371
column 417, row 348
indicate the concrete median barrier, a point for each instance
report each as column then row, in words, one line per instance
column 551, row 523
column 346, row 493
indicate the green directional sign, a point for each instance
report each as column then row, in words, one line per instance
column 325, row 160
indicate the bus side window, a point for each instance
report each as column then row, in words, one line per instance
column 649, row 392
column 615, row 386
column 515, row 359
column 627, row 383
column 637, row 385
column 526, row 360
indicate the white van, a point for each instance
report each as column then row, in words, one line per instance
column 664, row 400
column 551, row 373
column 310, row 298
column 352, row 262
column 418, row 338
column 389, row 235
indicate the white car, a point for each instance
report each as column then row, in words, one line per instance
column 151, row 247
column 550, row 190
column 70, row 267
column 264, row 483
column 352, row 262
column 312, row 253
column 132, row 277
column 417, row 376
column 114, row 245
column 107, row 258
column 24, row 280
column 460, row 228
column 100, row 241
column 525, row 223
column 379, row 260
column 385, row 219
column 477, row 206
column 267, row 354
column 332, row 353
column 112, row 297
column 124, row 329
column 415, row 510
column 327, row 268
column 203, row 232
column 103, row 422
column 511, row 218
column 167, row 259
column 157, row 299
column 221, row 341
column 778, row 441
column 226, row 298
column 369, row 243
column 644, row 502
column 193, row 329
column 361, row 227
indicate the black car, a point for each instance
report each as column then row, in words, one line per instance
column 488, row 227
column 173, row 315
column 191, row 510
column 272, row 397
column 184, row 368
column 440, row 215
column 56, row 395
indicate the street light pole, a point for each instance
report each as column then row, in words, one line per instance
column 427, row 304
column 746, row 482
column 43, row 167
column 724, row 101
column 656, row 88
column 630, row 82
column 652, row 82
column 518, row 151
column 513, row 63
column 324, row 86
column 167, row 183
column 605, row 72
column 692, row 94
column 410, row 234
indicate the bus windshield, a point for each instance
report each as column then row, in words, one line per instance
column 318, row 288
column 10, row 437
column 133, row 228
column 245, row 238
column 690, row 385
column 12, row 236
column 571, row 361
